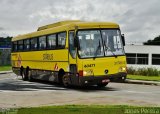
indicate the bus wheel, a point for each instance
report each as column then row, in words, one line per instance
column 24, row 76
column 65, row 81
column 30, row 78
column 61, row 73
column 102, row 84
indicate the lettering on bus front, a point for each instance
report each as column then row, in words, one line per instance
column 119, row 62
column 47, row 56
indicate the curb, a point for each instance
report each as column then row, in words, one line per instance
column 142, row 82
column 5, row 72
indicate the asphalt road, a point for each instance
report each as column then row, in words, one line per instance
column 17, row 93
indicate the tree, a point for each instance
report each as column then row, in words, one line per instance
column 155, row 41
column 5, row 42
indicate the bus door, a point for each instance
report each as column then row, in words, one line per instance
column 72, row 59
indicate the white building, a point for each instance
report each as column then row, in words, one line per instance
column 140, row 56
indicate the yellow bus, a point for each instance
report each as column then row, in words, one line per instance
column 71, row 52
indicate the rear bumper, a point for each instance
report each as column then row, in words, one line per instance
column 93, row 80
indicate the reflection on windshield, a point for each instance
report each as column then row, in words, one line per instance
column 96, row 43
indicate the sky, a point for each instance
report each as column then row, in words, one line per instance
column 139, row 19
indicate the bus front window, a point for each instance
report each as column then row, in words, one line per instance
column 112, row 42
column 90, row 43
column 99, row 43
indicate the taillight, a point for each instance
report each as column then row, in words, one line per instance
column 80, row 72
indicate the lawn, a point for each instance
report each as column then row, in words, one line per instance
column 5, row 68
column 87, row 109
column 146, row 78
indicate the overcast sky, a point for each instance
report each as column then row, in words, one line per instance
column 139, row 19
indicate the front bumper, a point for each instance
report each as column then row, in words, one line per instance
column 93, row 80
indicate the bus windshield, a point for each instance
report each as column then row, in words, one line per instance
column 100, row 43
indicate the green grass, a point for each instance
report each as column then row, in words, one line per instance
column 146, row 78
column 5, row 68
column 87, row 109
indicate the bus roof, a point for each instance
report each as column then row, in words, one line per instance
column 65, row 25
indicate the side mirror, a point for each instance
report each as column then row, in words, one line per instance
column 123, row 39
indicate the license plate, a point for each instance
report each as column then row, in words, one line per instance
column 105, row 81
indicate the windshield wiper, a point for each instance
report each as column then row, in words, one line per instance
column 106, row 49
column 98, row 47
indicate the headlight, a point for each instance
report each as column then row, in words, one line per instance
column 122, row 69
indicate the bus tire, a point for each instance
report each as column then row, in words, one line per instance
column 65, row 81
column 30, row 78
column 102, row 84
column 21, row 70
column 24, row 76
column 61, row 73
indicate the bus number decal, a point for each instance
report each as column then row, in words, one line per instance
column 89, row 65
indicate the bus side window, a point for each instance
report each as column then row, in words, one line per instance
column 61, row 40
column 34, row 43
column 42, row 42
column 72, row 48
column 51, row 41
column 20, row 45
column 26, row 44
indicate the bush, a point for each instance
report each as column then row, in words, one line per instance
column 131, row 70
column 143, row 71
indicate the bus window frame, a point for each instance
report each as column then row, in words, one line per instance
column 37, row 37
column 37, row 44
column 57, row 47
column 20, row 50
column 24, row 45
column 47, row 36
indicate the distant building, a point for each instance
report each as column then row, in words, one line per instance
column 140, row 56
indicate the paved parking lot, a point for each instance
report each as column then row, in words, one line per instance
column 17, row 93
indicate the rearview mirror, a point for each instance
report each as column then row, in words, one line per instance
column 123, row 39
